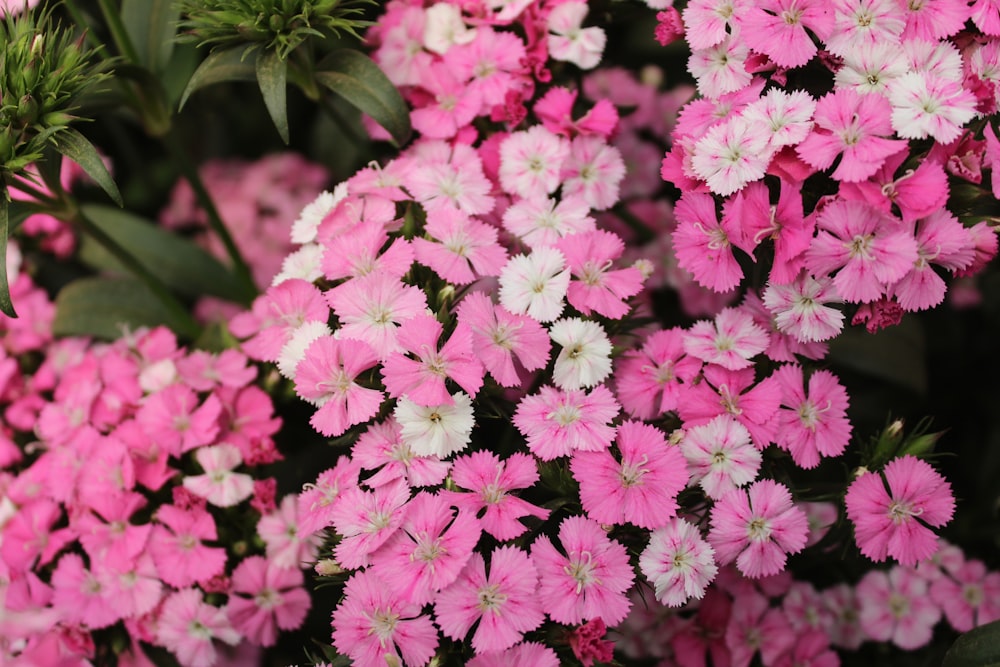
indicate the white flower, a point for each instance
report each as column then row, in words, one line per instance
column 570, row 41
column 535, row 284
column 436, row 430
column 304, row 263
column 294, row 350
column 531, row 162
column 585, row 359
column 306, row 225
column 924, row 105
column 444, row 28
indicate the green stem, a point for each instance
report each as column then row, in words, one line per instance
column 181, row 320
column 118, row 31
column 190, row 173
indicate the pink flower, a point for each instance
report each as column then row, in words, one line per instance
column 814, row 423
column 720, row 456
column 177, row 546
column 278, row 312
column 596, row 287
column 504, row 602
column 703, row 246
column 491, row 482
column 678, row 562
column 969, row 596
column 588, row 643
column 187, row 625
column 365, row 520
column 730, row 155
column 285, row 544
column 361, row 252
column 326, row 378
column 800, row 309
column 944, row 241
column 648, row 380
column 758, row 528
column 265, row 598
column 895, row 606
column 373, row 621
column 79, row 595
column 219, row 485
column 461, row 249
column 381, row 448
column 640, row 489
column 557, row 423
column 730, row 341
column 527, row 654
column 432, row 546
column 589, row 581
column 925, row 105
column 777, row 28
column 316, row 501
column 531, row 162
column 175, row 420
column 755, row 626
column 568, row 40
column 886, row 521
column 593, row 170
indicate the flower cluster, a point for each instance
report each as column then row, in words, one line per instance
column 134, row 502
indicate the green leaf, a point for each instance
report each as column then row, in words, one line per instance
column 151, row 25
column 218, row 67
column 355, row 77
column 6, row 306
column 176, row 261
column 979, row 647
column 103, row 307
column 896, row 354
column 272, row 77
column 75, row 146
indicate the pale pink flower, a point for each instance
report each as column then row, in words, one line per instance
column 181, row 558
column 593, row 170
column 757, row 528
column 305, row 226
column 777, row 28
column 678, row 562
column 756, row 627
column 730, row 341
column 785, row 117
column 294, row 351
column 925, row 105
column 327, row 376
column 568, row 40
column 641, row 488
column 373, row 621
column 187, row 626
column 504, row 602
column 540, row 221
column 535, row 284
column 490, row 64
column 455, row 180
column 499, row 337
column 219, row 485
column 490, row 482
column 708, row 22
column 365, row 520
column 730, row 155
column 401, row 54
column 286, row 545
column 720, row 456
column 860, row 22
column 893, row 514
column 969, row 596
column 436, row 430
column 870, row 68
column 895, row 606
column 800, row 309
column 588, row 581
column 721, row 68
column 557, row 423
column 527, row 654
column 531, row 162
column 371, row 309
column 444, row 28
column 361, row 252
column 461, row 249
column 265, row 598
column 316, row 500
column 845, row 628
column 427, row 553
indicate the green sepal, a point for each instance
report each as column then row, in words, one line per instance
column 355, row 77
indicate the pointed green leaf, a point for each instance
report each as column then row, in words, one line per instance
column 272, row 77
column 151, row 25
column 979, row 647
column 103, row 307
column 355, row 77
column 220, row 66
column 176, row 261
column 6, row 306
column 75, row 146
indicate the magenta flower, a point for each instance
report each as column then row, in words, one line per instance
column 648, row 380
column 265, row 598
column 173, row 418
column 640, row 489
column 491, row 482
column 176, row 544
column 588, row 581
column 326, row 378
column 373, row 621
column 758, row 528
column 885, row 508
column 504, row 602
column 365, row 520
column 814, row 423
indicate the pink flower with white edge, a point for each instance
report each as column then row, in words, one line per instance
column 504, row 602
column 720, row 456
column 731, row 341
column 757, row 528
column 678, row 562
column 535, row 284
column 436, row 430
column 219, row 485
column 531, row 162
column 187, row 626
column 721, row 69
column 589, row 580
column 924, row 105
column 570, row 41
column 857, row 23
column 557, row 423
column 885, row 508
column 708, row 22
column 594, row 169
column 265, row 598
column 585, row 357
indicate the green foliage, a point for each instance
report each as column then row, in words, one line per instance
column 276, row 25
column 979, row 647
column 104, row 307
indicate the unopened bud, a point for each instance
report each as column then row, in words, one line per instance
column 894, row 429
column 328, row 567
column 859, row 471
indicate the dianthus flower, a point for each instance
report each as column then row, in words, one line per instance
column 720, row 456
column 678, row 562
column 885, row 508
column 265, row 598
column 895, row 606
column 557, row 423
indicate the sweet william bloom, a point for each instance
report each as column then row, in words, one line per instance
column 541, row 221
column 381, row 448
column 219, row 485
column 373, row 624
column 924, row 105
column 531, row 162
column 436, row 430
column 504, row 602
column 730, row 341
column 315, row 502
column 187, row 626
column 757, row 528
column 527, row 654
column 286, row 545
column 811, row 423
column 588, row 643
column 596, row 286
column 678, row 562
column 585, row 357
column 648, row 380
column 730, row 155
column 79, row 595
column 593, row 170
column 642, row 488
column 895, row 606
column 720, row 456
column 461, row 249
column 886, row 519
column 176, row 546
column 777, row 28
column 969, row 597
column 589, row 581
column 326, row 378
column 535, row 284
column 800, row 309
column 265, row 598
column 365, row 520
column 704, row 246
column 756, row 627
column 557, row 423
column 708, row 22
column 811, row 649
column 857, row 23
column 941, row 240
column 490, row 482
column 569, row 41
